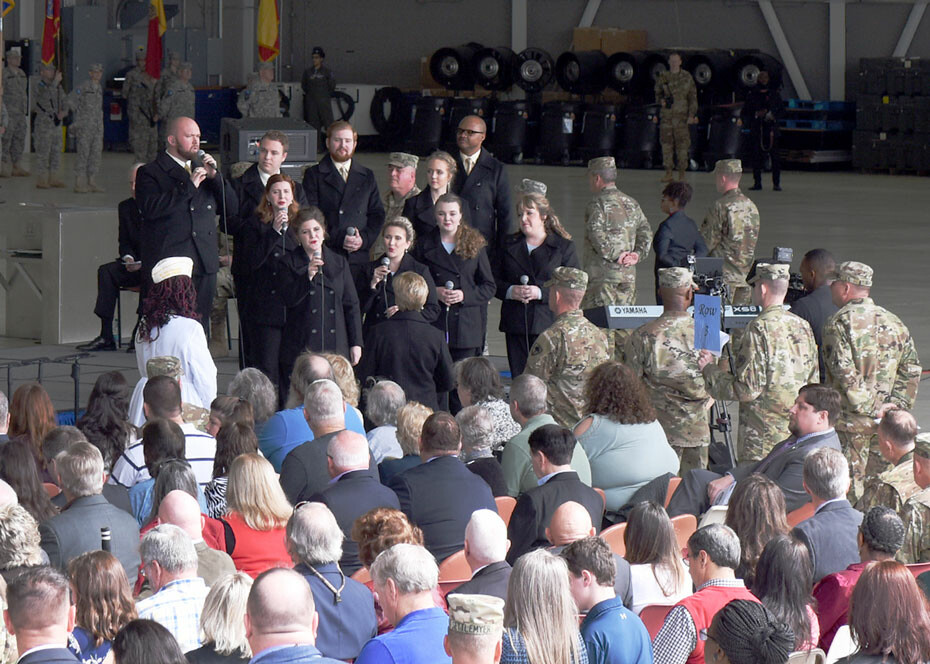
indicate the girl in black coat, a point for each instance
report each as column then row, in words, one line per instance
column 440, row 171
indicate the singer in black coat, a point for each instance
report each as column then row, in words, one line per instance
column 419, row 210
column 375, row 302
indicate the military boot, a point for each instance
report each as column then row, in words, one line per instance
column 6, row 169
column 42, row 181
column 668, row 176
column 219, row 346
column 53, row 181
column 94, row 187
column 19, row 172
column 80, row 185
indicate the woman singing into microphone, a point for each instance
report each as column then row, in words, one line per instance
column 322, row 305
column 440, row 171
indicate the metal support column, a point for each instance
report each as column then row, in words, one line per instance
column 590, row 12
column 837, row 61
column 518, row 25
column 784, row 49
column 910, row 29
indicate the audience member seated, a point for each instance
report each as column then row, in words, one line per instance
column 410, row 419
column 345, row 607
column 477, row 434
column 227, row 409
column 172, row 474
column 102, row 604
column 170, row 367
column 232, row 440
column 625, row 444
column 281, row 620
column 831, row 534
column 745, row 632
column 756, row 514
column 656, row 571
column 77, row 529
column 353, row 491
column 105, row 422
column 223, row 623
column 4, row 418
column 7, row 494
column 61, row 438
column 478, row 383
column 551, row 447
column 486, row 547
column 783, row 584
column 162, row 441
column 40, row 615
column 528, row 409
column 258, row 513
column 810, row 422
column 19, row 469
column 32, row 416
column 344, row 377
column 404, row 577
column 893, row 487
column 382, row 401
column 146, row 642
column 7, row 640
column 612, row 633
column 540, row 618
column 19, row 541
column 288, row 428
column 476, row 628
column 440, row 494
column 253, row 386
column 180, row 509
column 881, row 536
column 170, row 563
column 712, row 555
column 888, row 617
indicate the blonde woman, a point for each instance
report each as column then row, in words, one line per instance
column 222, row 622
column 410, row 419
column 258, row 513
column 440, row 171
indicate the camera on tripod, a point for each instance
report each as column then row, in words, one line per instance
column 783, row 255
column 707, row 273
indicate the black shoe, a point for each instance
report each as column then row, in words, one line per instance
column 100, row 343
column 756, row 187
column 131, row 346
column 777, row 187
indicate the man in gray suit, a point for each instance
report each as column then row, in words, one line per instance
column 77, row 529
column 811, row 425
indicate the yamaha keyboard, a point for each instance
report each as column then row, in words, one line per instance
column 629, row 317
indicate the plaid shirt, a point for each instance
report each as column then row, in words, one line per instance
column 177, row 606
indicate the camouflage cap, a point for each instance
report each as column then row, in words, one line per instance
column 532, row 187
column 601, row 163
column 568, row 277
column 164, row 365
column 186, row 65
column 728, row 166
column 96, row 67
column 771, row 272
column 403, row 160
column 14, row 52
column 675, row 277
column 853, row 272
column 475, row 614
column 922, row 445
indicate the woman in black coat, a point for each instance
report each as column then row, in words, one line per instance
column 540, row 246
column 322, row 305
column 440, row 172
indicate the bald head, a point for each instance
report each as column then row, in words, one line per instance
column 280, row 611
column 181, row 509
column 183, row 138
column 570, row 522
column 347, row 451
column 7, row 495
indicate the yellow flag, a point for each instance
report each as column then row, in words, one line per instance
column 269, row 43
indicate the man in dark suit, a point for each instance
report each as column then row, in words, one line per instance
column 347, row 194
column 41, row 616
column 831, row 535
column 353, row 491
column 817, row 306
column 551, row 448
column 125, row 272
column 441, row 494
column 77, row 529
column 486, row 547
column 180, row 195
column 811, row 425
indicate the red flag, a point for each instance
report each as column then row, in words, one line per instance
column 269, row 42
column 51, row 29
column 157, row 26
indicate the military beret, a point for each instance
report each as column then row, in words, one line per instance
column 96, row 67
column 922, row 445
column 319, row 51
column 568, row 277
column 853, row 272
column 601, row 163
column 532, row 187
column 771, row 272
column 164, row 365
column 265, row 65
column 728, row 166
column 475, row 614
column 175, row 266
column 403, row 160
column 675, row 277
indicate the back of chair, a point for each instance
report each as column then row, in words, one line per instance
column 672, row 486
column 813, row 656
column 804, row 512
column 843, row 645
column 505, row 505
column 455, row 568
column 685, row 525
column 603, row 496
column 362, row 575
column 614, row 538
column 918, row 568
column 653, row 617
column 51, row 489
column 716, row 514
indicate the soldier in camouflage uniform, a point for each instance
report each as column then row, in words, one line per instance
column 179, row 100
column 48, row 104
column 139, row 91
column 167, row 76
column 731, row 229
column 225, row 289
column 894, row 487
column 662, row 353
column 260, row 98
column 16, row 99
column 616, row 237
column 168, row 365
column 86, row 100
column 568, row 350
column 871, row 360
column 676, row 95
column 402, row 184
column 774, row 358
column 916, row 511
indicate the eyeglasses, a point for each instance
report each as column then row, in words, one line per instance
column 686, row 557
column 704, row 635
column 467, row 132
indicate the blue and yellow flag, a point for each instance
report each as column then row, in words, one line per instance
column 7, row 7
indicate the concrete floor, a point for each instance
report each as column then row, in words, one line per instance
column 877, row 219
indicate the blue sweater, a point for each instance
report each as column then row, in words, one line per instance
column 287, row 429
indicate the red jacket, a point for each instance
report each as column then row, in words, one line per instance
column 832, row 595
column 703, row 606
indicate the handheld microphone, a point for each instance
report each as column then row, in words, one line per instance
column 317, row 253
column 449, row 286
column 385, row 261
column 283, row 208
column 351, row 231
column 524, row 280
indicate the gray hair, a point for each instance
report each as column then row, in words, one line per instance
column 223, row 611
column 412, row 568
column 606, row 174
column 308, row 368
column 323, row 401
column 170, row 547
column 720, row 543
column 383, row 400
column 80, row 469
column 19, row 538
column 314, row 536
column 255, row 387
column 486, row 534
column 826, row 473
column 530, row 393
column 476, row 426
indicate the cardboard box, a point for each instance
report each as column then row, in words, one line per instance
column 615, row 40
column 586, row 39
column 426, row 78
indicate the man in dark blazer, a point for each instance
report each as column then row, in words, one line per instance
column 811, row 425
column 551, row 448
column 180, row 197
column 41, row 616
column 77, row 529
column 831, row 535
column 817, row 306
column 353, row 491
column 441, row 494
column 347, row 194
column 486, row 547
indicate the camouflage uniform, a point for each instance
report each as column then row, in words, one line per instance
column 139, row 91
column 168, row 365
column 892, row 488
column 916, row 515
column 225, row 289
column 674, row 133
column 86, row 100
column 566, row 352
column 178, row 100
column 16, row 98
column 47, row 100
column 731, row 229
column 870, row 360
column 393, row 204
column 259, row 100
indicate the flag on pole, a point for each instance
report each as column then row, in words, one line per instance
column 269, row 42
column 158, row 24
column 7, row 7
column 51, row 29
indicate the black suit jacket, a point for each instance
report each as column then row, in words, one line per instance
column 816, row 308
column 830, row 536
column 491, row 580
column 375, row 302
column 675, row 239
column 534, row 510
column 50, row 656
column 419, row 210
column 487, row 194
column 440, row 497
column 516, row 261
column 130, row 229
column 179, row 218
column 353, row 202
column 353, row 495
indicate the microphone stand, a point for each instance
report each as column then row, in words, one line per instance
column 524, row 280
column 449, row 286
